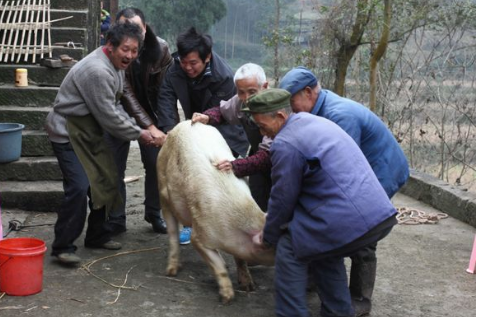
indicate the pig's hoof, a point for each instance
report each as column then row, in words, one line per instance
column 172, row 270
column 227, row 296
column 247, row 287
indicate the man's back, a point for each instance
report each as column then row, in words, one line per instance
column 322, row 178
column 368, row 131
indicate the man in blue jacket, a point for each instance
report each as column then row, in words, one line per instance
column 326, row 204
column 378, row 146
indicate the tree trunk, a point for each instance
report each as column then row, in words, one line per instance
column 277, row 42
column 345, row 54
column 349, row 46
column 378, row 54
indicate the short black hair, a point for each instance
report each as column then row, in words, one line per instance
column 119, row 31
column 192, row 41
column 129, row 13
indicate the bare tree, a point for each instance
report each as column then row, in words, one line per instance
column 378, row 54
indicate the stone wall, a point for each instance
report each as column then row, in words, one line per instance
column 450, row 199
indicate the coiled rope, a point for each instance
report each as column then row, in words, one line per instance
column 412, row 216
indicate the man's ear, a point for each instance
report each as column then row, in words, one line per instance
column 265, row 85
column 282, row 115
column 308, row 91
column 207, row 59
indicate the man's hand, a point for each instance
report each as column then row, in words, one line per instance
column 224, row 166
column 199, row 117
column 145, row 137
column 158, row 136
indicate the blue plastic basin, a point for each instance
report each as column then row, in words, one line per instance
column 10, row 141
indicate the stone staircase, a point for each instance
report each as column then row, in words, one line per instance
column 34, row 182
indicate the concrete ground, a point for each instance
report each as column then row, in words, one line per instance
column 421, row 272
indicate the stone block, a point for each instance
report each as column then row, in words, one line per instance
column 38, row 75
column 32, row 118
column 70, row 4
column 79, row 19
column 36, row 143
column 31, row 96
column 449, row 199
column 37, row 196
column 31, row 169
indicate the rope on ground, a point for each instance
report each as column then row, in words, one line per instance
column 412, row 216
column 87, row 268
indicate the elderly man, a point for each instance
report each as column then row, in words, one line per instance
column 326, row 204
column 87, row 104
column 249, row 79
column 378, row 146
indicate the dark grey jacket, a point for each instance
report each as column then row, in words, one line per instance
column 198, row 98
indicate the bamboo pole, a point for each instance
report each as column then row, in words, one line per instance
column 50, row 55
column 24, row 30
column 43, row 30
column 6, row 29
column 1, row 19
column 30, row 22
column 17, row 30
column 13, row 26
column 35, row 32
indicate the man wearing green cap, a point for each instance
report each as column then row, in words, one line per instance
column 379, row 147
column 326, row 204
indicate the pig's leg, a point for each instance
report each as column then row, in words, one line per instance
column 217, row 264
column 245, row 280
column 173, row 233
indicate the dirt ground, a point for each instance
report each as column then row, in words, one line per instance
column 421, row 272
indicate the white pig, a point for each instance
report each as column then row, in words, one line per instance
column 216, row 204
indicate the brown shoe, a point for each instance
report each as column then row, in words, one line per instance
column 68, row 258
column 110, row 245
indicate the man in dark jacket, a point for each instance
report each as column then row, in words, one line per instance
column 141, row 91
column 199, row 79
column 326, row 204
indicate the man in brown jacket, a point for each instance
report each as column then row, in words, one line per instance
column 143, row 79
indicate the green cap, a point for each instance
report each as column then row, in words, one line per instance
column 268, row 100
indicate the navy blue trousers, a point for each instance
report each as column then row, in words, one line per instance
column 73, row 209
column 328, row 271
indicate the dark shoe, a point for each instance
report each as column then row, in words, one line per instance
column 68, row 258
column 362, row 307
column 110, row 245
column 158, row 224
column 116, row 229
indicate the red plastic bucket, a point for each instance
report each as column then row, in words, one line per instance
column 21, row 266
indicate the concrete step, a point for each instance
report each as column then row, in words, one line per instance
column 31, row 169
column 76, row 53
column 37, row 196
column 37, row 75
column 36, row 143
column 32, row 117
column 31, row 96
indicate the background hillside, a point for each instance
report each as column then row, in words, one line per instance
column 424, row 87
